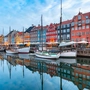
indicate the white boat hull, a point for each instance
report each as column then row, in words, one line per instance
column 47, row 56
column 2, row 50
column 24, row 50
column 11, row 52
column 68, row 54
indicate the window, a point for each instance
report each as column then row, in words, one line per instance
column 64, row 30
column 72, row 24
column 72, row 39
column 64, row 26
column 79, row 17
column 68, row 30
column 72, row 28
column 68, row 36
column 83, row 27
column 87, row 26
column 87, row 21
column 76, row 28
column 64, row 37
column 79, row 34
column 83, row 33
column 61, row 31
column 79, row 23
column 87, row 33
column 72, row 34
column 68, row 25
column 58, row 27
column 83, row 22
column 86, row 17
column 76, row 22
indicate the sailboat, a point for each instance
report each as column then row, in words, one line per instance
column 46, row 54
column 69, row 53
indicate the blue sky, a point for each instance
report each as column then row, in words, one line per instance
column 24, row 13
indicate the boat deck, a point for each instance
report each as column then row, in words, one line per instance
column 84, row 52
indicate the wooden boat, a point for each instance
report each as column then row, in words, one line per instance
column 27, row 50
column 67, row 51
column 24, row 50
column 68, row 54
column 13, row 50
column 2, row 49
column 47, row 55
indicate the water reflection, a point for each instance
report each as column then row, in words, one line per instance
column 40, row 74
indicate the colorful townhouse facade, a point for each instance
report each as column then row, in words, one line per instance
column 9, row 39
column 27, row 35
column 34, row 35
column 80, row 27
column 51, row 34
column 1, row 40
column 66, row 30
column 76, row 29
column 19, row 38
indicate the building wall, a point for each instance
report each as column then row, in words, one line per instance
column 19, row 38
column 26, row 37
column 34, row 35
column 65, row 31
column 51, row 34
column 1, row 39
column 80, row 27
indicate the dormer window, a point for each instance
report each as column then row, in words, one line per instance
column 86, row 17
column 79, row 17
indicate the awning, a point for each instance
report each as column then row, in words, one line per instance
column 82, row 42
column 66, row 43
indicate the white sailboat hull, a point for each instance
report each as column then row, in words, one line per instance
column 47, row 56
column 68, row 54
column 2, row 49
column 11, row 52
column 24, row 50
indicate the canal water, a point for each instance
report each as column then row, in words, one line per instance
column 25, row 72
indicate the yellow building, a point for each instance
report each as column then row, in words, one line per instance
column 1, row 39
column 22, row 38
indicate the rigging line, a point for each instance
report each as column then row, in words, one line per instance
column 66, row 16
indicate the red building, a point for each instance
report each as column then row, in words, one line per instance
column 52, row 34
column 80, row 27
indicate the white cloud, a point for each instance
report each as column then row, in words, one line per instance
column 19, row 13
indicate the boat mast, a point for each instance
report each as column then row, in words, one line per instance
column 60, row 20
column 10, row 36
column 3, row 36
column 23, row 35
column 60, row 47
column 42, row 32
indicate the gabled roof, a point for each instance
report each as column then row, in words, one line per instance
column 66, row 22
column 80, row 13
column 29, row 29
column 20, row 33
column 10, row 33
